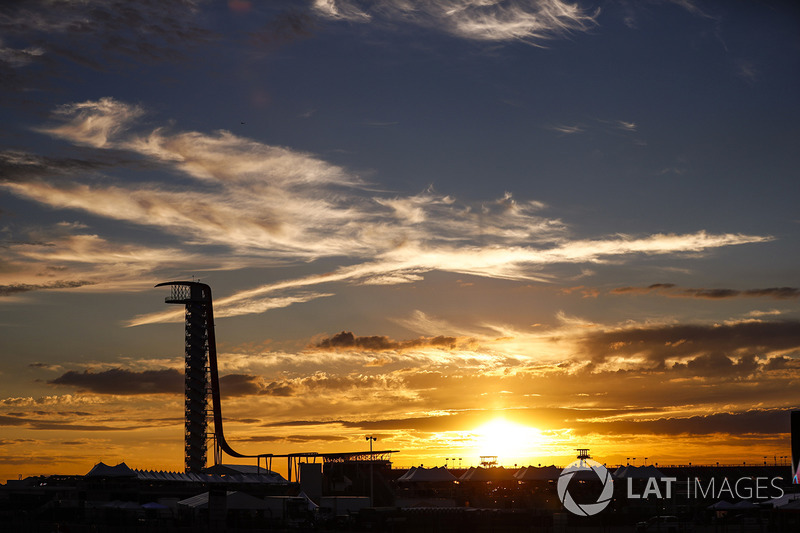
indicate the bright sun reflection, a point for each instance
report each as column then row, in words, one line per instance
column 507, row 440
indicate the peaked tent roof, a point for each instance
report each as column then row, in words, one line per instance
column 620, row 472
column 430, row 475
column 793, row 505
column 745, row 504
column 787, row 498
column 652, row 471
column 538, row 473
column 487, row 474
column 637, row 472
column 103, row 470
column 721, row 505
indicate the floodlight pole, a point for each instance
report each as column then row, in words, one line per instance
column 371, row 439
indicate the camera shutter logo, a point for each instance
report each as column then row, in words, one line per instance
column 585, row 509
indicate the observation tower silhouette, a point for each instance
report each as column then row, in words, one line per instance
column 200, row 346
column 202, row 379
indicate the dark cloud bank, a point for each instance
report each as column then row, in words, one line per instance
column 347, row 340
column 717, row 341
column 123, row 382
column 18, row 288
column 673, row 291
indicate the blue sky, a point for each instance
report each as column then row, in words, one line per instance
column 580, row 217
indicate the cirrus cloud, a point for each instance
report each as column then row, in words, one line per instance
column 268, row 203
column 509, row 20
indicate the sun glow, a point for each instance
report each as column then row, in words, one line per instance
column 507, row 440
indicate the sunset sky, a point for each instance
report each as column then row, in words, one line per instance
column 466, row 227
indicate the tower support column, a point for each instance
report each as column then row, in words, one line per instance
column 196, row 385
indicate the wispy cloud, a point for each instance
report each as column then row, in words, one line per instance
column 337, row 10
column 19, row 57
column 747, row 71
column 7, row 290
column 60, row 400
column 567, row 129
column 509, row 20
column 515, row 263
column 92, row 123
column 63, row 424
column 268, row 203
column 627, row 126
column 148, row 30
column 691, row 6
column 17, row 165
column 757, row 421
column 67, row 258
column 631, row 10
column 594, row 125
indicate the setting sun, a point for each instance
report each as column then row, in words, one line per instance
column 507, row 440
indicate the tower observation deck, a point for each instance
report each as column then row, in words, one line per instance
column 202, row 378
